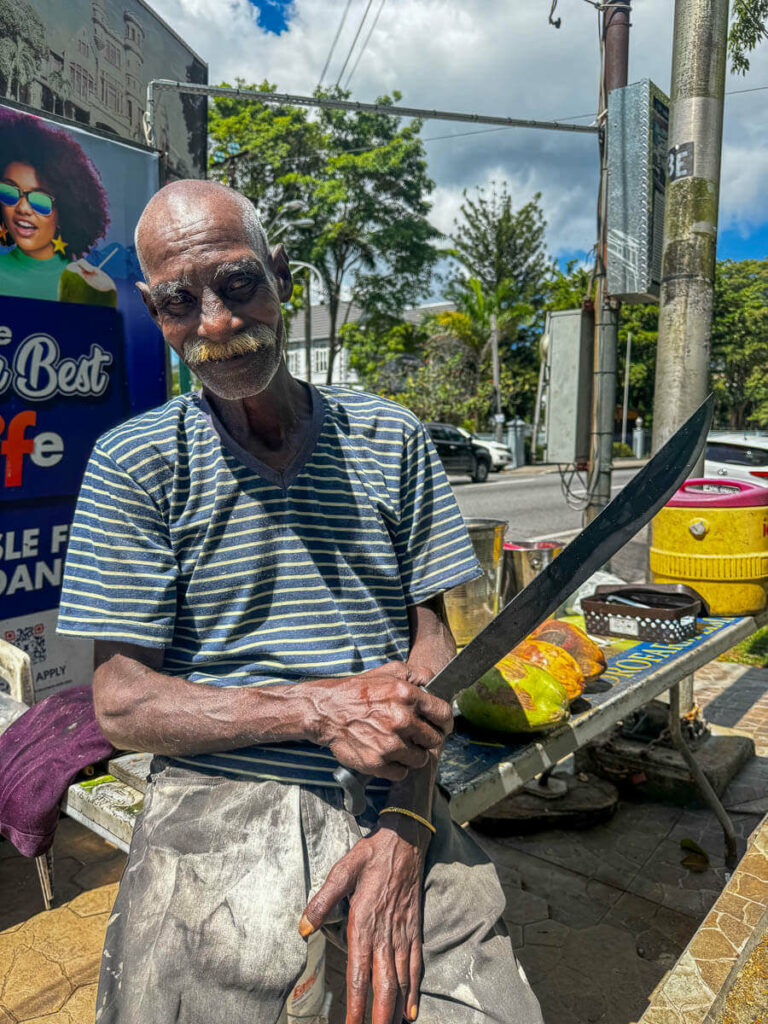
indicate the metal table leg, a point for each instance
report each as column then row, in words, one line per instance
column 44, row 865
column 703, row 783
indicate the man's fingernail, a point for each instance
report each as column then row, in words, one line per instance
column 413, row 1012
column 305, row 926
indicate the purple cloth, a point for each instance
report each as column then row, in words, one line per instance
column 40, row 754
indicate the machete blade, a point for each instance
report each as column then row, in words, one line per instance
column 633, row 507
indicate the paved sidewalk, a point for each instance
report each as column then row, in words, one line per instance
column 598, row 916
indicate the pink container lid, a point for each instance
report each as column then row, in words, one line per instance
column 708, row 493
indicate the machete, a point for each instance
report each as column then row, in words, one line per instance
column 618, row 522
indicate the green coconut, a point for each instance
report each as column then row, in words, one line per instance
column 83, row 283
column 515, row 696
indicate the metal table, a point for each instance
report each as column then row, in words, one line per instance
column 479, row 774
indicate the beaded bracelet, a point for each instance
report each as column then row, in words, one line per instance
column 410, row 814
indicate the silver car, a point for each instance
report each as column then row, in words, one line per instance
column 499, row 453
column 739, row 456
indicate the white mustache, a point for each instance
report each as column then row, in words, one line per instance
column 203, row 350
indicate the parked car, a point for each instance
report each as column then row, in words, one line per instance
column 739, row 456
column 499, row 453
column 459, row 454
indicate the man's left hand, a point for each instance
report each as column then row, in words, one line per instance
column 381, row 876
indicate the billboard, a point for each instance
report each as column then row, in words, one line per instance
column 90, row 60
column 78, row 354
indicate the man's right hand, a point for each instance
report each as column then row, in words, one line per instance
column 379, row 722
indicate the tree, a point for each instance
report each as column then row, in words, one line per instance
column 748, row 21
column 494, row 243
column 364, row 182
column 740, row 341
column 22, row 45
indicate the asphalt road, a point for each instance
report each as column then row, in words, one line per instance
column 532, row 505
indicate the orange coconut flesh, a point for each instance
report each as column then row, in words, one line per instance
column 575, row 641
column 557, row 661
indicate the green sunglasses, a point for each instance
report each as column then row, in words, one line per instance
column 40, row 201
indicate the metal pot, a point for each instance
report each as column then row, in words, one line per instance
column 471, row 606
column 522, row 561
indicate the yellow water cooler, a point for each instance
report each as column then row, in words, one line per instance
column 713, row 535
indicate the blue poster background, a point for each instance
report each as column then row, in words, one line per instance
column 68, row 370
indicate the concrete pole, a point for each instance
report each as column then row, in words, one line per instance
column 690, row 216
column 615, row 69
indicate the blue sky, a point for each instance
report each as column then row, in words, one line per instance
column 490, row 56
column 273, row 15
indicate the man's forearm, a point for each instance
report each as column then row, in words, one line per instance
column 432, row 647
column 139, row 708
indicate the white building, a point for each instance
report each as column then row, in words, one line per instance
column 342, row 371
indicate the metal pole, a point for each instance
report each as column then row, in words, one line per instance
column 543, row 356
column 498, row 424
column 626, row 389
column 690, row 217
column 615, row 34
column 308, row 329
column 289, row 99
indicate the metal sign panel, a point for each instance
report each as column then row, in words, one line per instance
column 638, row 128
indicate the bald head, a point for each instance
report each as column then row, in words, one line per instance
column 194, row 205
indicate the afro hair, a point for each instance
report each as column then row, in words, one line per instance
column 64, row 170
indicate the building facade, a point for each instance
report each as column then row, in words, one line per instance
column 89, row 61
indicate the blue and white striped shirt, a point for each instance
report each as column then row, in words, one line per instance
column 246, row 576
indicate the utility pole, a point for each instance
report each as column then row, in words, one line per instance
column 690, row 214
column 498, row 417
column 615, row 37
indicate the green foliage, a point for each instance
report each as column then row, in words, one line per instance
column 364, row 181
column 383, row 359
column 748, row 21
column 496, row 244
column 621, row 450
column 566, row 290
column 642, row 322
column 740, row 342
column 22, row 45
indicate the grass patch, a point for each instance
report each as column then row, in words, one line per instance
column 752, row 651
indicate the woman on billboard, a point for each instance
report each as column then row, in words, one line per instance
column 53, row 209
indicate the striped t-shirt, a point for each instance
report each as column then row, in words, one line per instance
column 246, row 576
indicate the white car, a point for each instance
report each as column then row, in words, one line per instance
column 500, row 454
column 739, row 456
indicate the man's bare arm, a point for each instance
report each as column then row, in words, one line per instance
column 377, row 722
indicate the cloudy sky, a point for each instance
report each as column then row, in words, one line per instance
column 495, row 57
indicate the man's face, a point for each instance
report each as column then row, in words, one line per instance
column 216, row 295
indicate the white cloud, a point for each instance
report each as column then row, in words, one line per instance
column 488, row 56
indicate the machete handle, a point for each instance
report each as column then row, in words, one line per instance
column 353, row 784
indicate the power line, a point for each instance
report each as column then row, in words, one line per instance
column 365, row 44
column 354, row 41
column 333, row 44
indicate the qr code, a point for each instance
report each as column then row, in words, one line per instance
column 31, row 640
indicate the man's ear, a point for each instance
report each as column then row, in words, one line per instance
column 278, row 260
column 144, row 293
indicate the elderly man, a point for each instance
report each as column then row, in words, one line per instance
column 261, row 566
